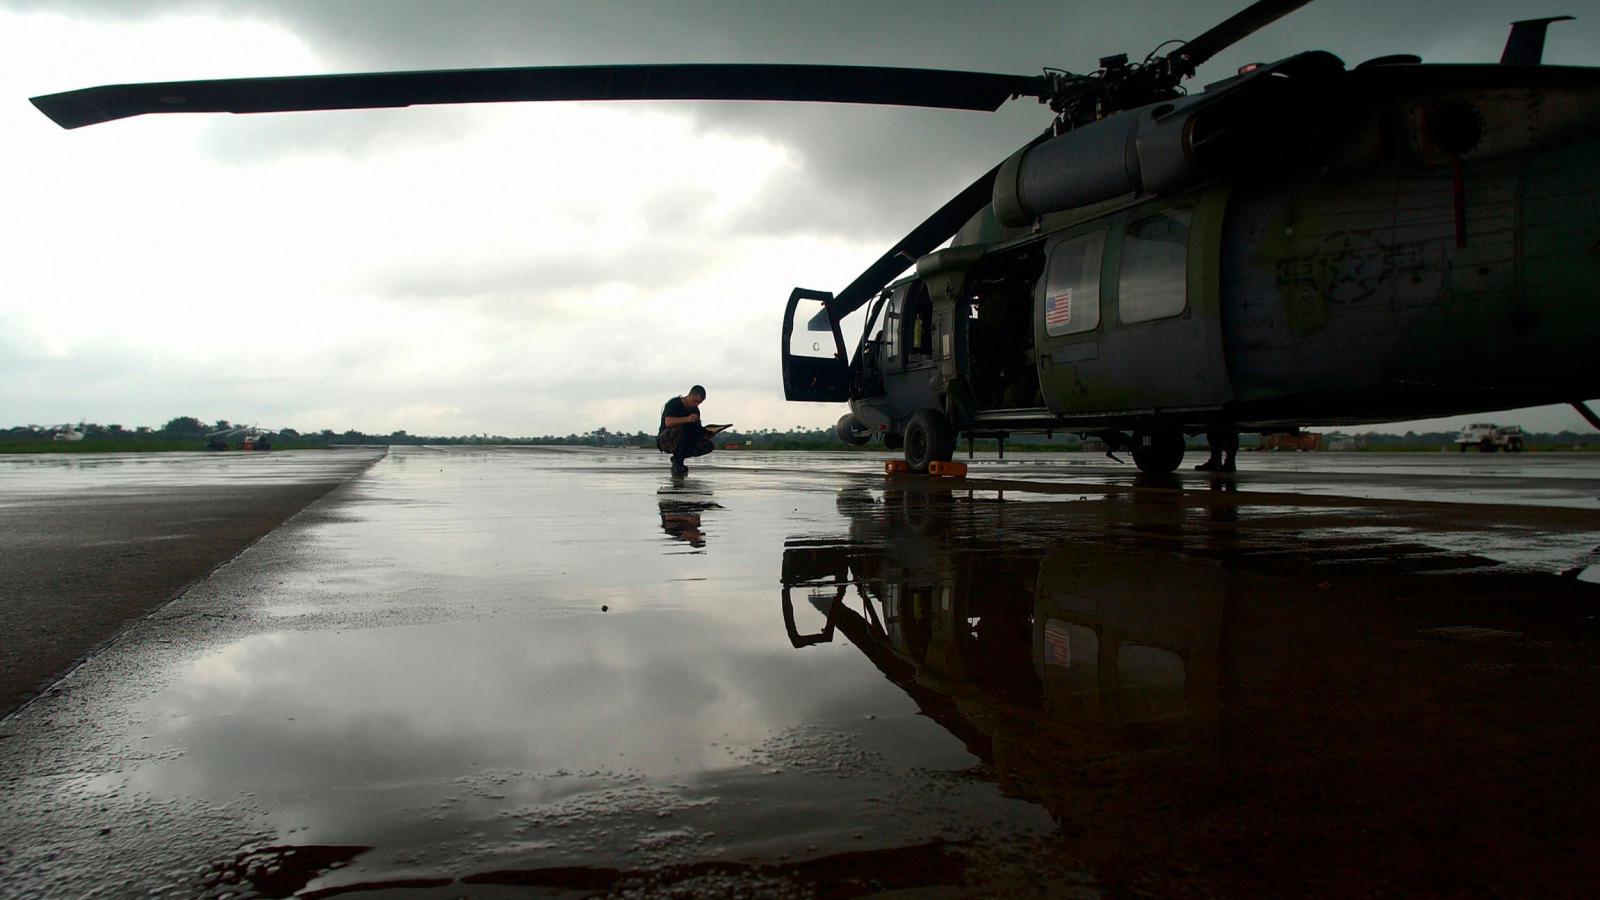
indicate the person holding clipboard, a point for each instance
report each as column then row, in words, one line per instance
column 681, row 433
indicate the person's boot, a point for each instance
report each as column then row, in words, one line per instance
column 1212, row 464
column 1227, row 465
column 678, row 468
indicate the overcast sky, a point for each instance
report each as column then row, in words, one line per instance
column 521, row 269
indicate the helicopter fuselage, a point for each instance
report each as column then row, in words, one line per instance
column 1435, row 252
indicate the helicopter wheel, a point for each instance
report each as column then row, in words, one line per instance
column 1157, row 452
column 929, row 437
column 893, row 441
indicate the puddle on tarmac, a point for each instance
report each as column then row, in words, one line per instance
column 1141, row 686
column 642, row 739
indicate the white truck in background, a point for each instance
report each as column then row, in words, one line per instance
column 1489, row 438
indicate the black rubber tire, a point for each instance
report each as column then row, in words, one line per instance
column 1513, row 446
column 929, row 437
column 846, row 430
column 893, row 440
column 1158, row 452
column 1463, row 447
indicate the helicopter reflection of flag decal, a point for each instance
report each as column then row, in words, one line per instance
column 1058, row 309
column 1057, row 644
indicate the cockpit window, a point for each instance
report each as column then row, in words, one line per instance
column 1155, row 267
column 1072, row 286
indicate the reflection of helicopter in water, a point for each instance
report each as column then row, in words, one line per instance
column 1103, row 643
column 1223, row 712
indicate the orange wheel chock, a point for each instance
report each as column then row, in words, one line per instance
column 896, row 467
column 948, row 469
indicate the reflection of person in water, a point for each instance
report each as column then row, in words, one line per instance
column 683, row 525
column 681, row 518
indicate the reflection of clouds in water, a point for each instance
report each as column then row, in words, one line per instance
column 305, row 713
column 230, row 667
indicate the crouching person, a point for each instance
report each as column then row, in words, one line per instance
column 681, row 433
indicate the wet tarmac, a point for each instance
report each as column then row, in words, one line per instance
column 544, row 672
column 91, row 543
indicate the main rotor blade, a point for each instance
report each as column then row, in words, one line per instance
column 934, row 88
column 1236, row 27
column 922, row 240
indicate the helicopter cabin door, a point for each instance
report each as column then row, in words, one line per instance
column 1127, row 314
column 816, row 366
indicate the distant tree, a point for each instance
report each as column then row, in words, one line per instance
column 184, row 425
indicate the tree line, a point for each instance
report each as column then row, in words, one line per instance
column 190, row 429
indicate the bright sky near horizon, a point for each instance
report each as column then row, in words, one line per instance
column 518, row 269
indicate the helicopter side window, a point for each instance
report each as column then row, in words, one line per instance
column 892, row 316
column 1154, row 267
column 1072, row 286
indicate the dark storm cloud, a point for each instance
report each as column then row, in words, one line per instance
column 863, row 172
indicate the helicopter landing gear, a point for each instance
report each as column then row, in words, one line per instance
column 929, row 438
column 893, row 441
column 1157, row 452
column 850, row 431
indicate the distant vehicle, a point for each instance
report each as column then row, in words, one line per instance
column 1304, row 441
column 69, row 432
column 1489, row 438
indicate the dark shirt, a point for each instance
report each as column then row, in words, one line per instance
column 677, row 409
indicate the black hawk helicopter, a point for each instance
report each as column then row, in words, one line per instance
column 1300, row 243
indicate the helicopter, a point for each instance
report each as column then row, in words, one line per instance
column 1303, row 242
column 250, row 437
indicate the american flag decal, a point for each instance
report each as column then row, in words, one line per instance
column 1057, row 644
column 1058, row 309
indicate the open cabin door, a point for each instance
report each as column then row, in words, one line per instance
column 816, row 366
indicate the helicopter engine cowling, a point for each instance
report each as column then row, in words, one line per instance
column 1165, row 146
column 1086, row 165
